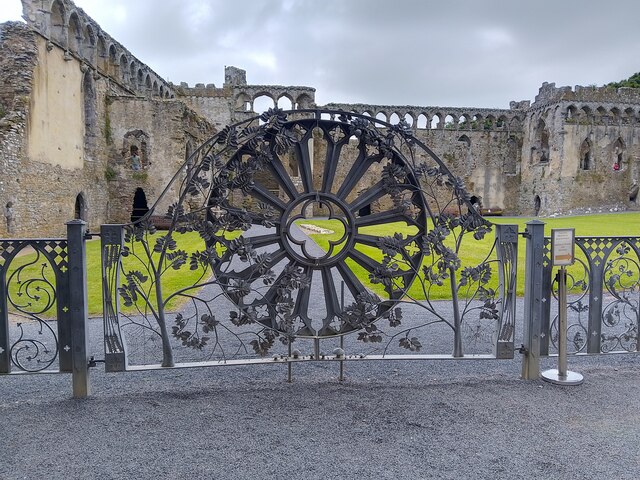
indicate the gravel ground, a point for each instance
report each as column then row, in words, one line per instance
column 423, row 419
column 441, row 419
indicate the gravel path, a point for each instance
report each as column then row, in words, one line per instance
column 428, row 419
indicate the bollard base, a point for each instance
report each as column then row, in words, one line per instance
column 553, row 376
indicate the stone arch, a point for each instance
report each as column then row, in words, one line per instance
column 476, row 122
column 140, row 205
column 586, row 155
column 615, row 114
column 262, row 102
column 585, row 114
column 408, row 117
column 90, row 103
column 136, row 141
column 465, row 140
column 422, row 121
column 463, row 121
column 154, row 88
column 243, row 102
column 381, row 116
column 540, row 147
column 394, row 119
column 367, row 113
column 501, row 122
column 618, row 152
column 435, row 121
column 80, row 208
column 303, row 101
column 511, row 159
column 515, row 123
column 103, row 56
column 139, row 79
column 147, row 84
column 124, row 71
column 489, row 123
column 285, row 102
column 571, row 112
column 75, row 34
column 58, row 23
column 449, row 122
column 89, row 44
column 537, row 205
column 132, row 73
column 113, row 61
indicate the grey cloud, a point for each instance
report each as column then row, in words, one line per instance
column 457, row 53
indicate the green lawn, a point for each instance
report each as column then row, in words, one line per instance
column 172, row 280
column 474, row 252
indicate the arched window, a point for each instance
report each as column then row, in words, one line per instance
column 58, row 32
column 394, row 118
column 540, row 147
column 75, row 34
column 285, row 103
column 80, row 210
column 262, row 103
column 113, row 61
column 618, row 154
column 422, row 121
column 449, row 123
column 465, row 140
column 586, row 160
column 140, row 206
column 435, row 121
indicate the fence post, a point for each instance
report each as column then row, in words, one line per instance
column 533, row 300
column 78, row 307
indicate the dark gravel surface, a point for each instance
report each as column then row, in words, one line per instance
column 427, row 419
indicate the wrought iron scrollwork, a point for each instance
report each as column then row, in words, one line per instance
column 248, row 190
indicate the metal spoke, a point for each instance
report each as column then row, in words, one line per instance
column 370, row 195
column 358, row 169
column 301, row 309
column 382, row 218
column 282, row 176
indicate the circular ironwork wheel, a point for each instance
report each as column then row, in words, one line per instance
column 349, row 172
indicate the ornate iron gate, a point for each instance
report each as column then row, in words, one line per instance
column 238, row 279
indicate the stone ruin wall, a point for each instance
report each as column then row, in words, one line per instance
column 497, row 152
column 589, row 130
column 62, row 72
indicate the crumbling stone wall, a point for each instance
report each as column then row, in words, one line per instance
column 593, row 143
column 572, row 150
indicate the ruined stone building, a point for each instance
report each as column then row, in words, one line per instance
column 76, row 106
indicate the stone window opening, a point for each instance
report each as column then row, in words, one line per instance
column 537, row 204
column 80, row 209
column 136, row 143
column 586, row 160
column 140, row 206
column 540, row 148
column 618, row 154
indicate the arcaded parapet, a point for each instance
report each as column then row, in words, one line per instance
column 450, row 118
column 70, row 28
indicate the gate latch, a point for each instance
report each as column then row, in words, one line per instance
column 93, row 362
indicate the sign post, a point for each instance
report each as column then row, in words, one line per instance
column 562, row 254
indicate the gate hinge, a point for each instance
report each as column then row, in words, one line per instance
column 93, row 362
column 523, row 350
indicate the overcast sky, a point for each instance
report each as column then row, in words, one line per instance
column 480, row 53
